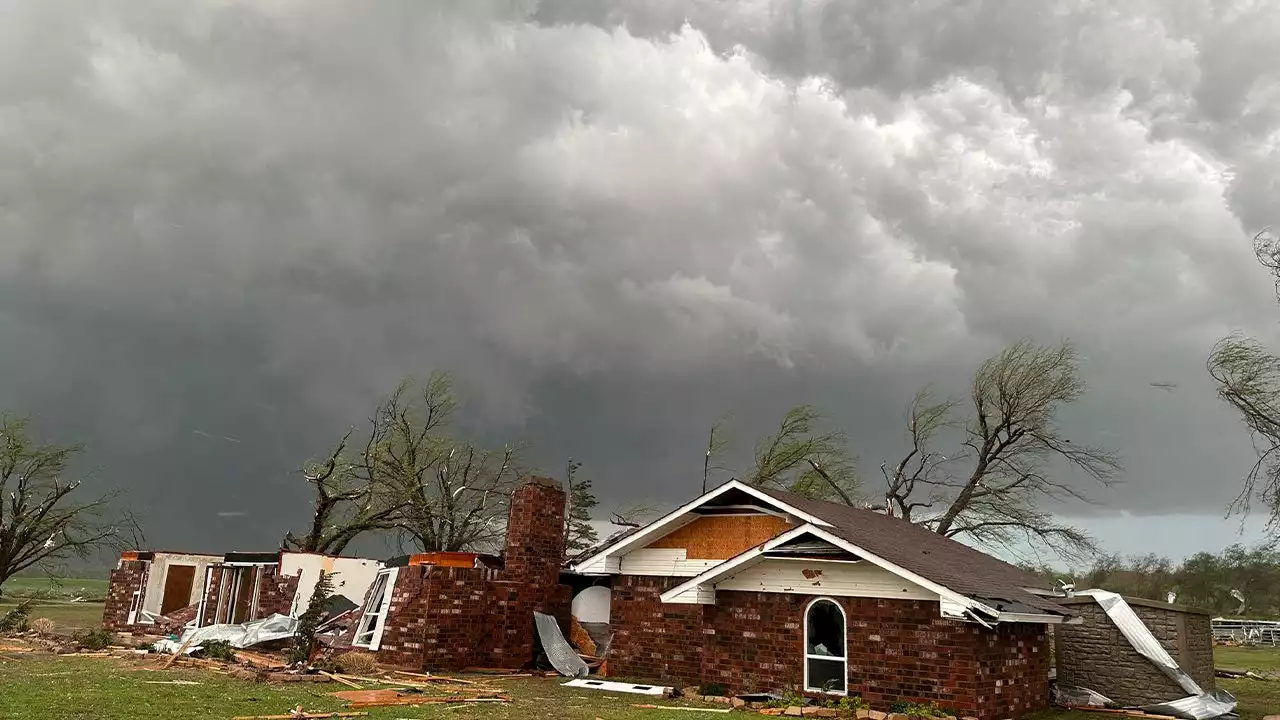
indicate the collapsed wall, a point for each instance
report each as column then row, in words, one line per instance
column 444, row 617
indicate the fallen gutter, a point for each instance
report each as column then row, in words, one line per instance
column 1199, row 705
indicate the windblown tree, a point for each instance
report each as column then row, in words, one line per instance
column 44, row 517
column 451, row 494
column 995, row 487
column 412, row 478
column 347, row 505
column 1247, row 376
column 579, row 533
column 805, row 457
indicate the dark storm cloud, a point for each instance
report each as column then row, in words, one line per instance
column 247, row 219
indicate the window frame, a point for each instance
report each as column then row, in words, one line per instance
column 843, row 659
column 374, row 634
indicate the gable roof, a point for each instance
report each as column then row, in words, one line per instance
column 684, row 514
column 947, row 562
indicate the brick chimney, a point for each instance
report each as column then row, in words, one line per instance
column 535, row 533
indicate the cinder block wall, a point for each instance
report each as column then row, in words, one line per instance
column 1095, row 655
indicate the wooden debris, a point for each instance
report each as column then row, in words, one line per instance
column 423, row 700
column 298, row 715
column 437, row 678
column 181, row 650
column 259, row 660
column 341, row 680
column 679, row 707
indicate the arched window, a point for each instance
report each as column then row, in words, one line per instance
column 826, row 663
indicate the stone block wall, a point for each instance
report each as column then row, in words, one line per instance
column 1095, row 655
column 128, row 577
column 897, row 649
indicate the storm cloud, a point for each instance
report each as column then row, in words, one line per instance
column 227, row 226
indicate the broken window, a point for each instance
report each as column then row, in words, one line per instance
column 825, row 661
column 373, row 620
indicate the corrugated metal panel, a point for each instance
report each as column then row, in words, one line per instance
column 1199, row 706
column 812, row 577
column 668, row 562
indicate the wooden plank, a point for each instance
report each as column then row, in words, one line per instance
column 341, row 680
column 677, row 707
column 182, row 649
column 437, row 678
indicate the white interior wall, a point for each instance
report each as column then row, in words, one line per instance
column 352, row 580
column 160, row 562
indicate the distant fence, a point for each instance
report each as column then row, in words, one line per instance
column 1253, row 632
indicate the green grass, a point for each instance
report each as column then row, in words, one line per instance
column 1247, row 658
column 70, row 688
column 91, row 589
column 70, row 616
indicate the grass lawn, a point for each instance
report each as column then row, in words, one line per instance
column 91, row 589
column 71, row 616
column 71, row 688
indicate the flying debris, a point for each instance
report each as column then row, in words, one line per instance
column 215, row 437
column 1166, row 386
column 232, row 513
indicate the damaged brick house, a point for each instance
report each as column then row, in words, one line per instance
column 762, row 590
column 152, row 591
column 453, row 610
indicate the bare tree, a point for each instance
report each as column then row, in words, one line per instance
column 451, row 494
column 347, row 505
column 995, row 487
column 717, row 444
column 579, row 533
column 42, row 516
column 803, row 457
column 1248, row 379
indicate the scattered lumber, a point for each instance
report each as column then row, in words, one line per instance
column 181, row 650
column 685, row 709
column 421, row 700
column 342, row 680
column 301, row 716
column 259, row 660
column 436, row 678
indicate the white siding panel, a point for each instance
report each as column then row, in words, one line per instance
column 839, row 579
column 663, row 562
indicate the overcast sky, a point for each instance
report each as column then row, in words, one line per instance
column 227, row 226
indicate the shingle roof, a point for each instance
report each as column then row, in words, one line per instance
column 945, row 561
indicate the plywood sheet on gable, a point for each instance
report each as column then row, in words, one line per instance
column 722, row 537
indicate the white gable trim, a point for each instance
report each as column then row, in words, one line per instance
column 598, row 563
column 755, row 554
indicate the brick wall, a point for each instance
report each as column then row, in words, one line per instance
column 1095, row 655
column 128, row 577
column 213, row 596
column 652, row 640
column 447, row 618
column 275, row 592
column 535, row 533
column 1013, row 669
column 897, row 649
